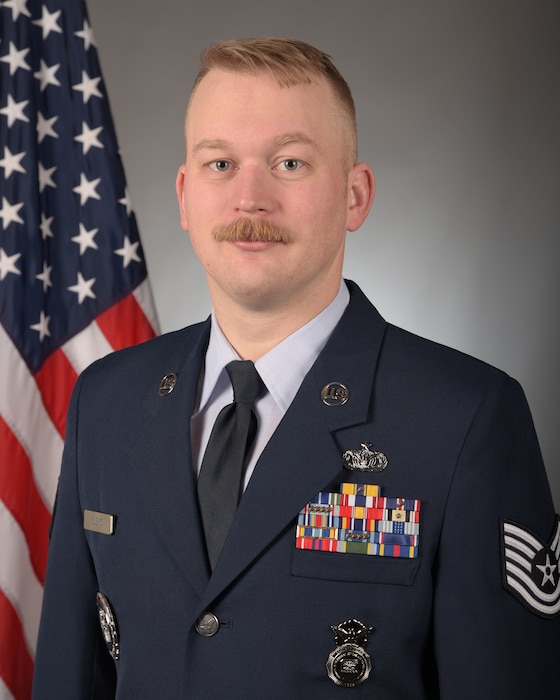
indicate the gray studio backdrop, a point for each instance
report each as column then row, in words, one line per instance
column 459, row 116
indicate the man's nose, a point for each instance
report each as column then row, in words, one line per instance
column 252, row 190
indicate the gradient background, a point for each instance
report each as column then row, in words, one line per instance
column 459, row 115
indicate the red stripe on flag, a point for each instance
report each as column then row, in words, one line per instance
column 55, row 380
column 125, row 323
column 16, row 664
column 20, row 495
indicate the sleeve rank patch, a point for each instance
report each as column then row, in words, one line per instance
column 531, row 568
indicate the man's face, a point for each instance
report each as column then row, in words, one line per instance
column 263, row 153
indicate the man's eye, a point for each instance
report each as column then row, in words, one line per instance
column 289, row 164
column 220, row 165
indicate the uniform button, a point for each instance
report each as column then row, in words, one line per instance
column 207, row 625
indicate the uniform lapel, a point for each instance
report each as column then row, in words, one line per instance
column 302, row 456
column 165, row 479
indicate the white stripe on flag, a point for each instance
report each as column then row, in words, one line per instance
column 144, row 297
column 17, row 578
column 4, row 692
column 86, row 347
column 22, row 408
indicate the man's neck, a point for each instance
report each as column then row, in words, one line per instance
column 253, row 332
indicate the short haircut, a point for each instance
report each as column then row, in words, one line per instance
column 291, row 62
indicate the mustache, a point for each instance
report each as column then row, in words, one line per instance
column 253, row 231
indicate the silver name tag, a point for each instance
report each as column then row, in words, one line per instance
column 99, row 522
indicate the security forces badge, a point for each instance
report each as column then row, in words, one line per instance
column 531, row 569
column 349, row 664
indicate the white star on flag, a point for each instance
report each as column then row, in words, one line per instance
column 45, row 127
column 45, row 226
column 46, row 75
column 88, row 137
column 86, row 189
column 9, row 213
column 45, row 179
column 87, row 35
column 11, row 162
column 85, row 239
column 42, row 326
column 128, row 252
column 88, row 87
column 48, row 22
column 14, row 111
column 45, row 276
column 125, row 201
column 16, row 58
column 8, row 264
column 18, row 7
column 83, row 288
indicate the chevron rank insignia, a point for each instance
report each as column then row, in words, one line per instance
column 531, row 569
column 358, row 520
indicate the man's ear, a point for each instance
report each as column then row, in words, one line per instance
column 180, row 189
column 361, row 191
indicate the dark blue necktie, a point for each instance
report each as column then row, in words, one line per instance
column 221, row 473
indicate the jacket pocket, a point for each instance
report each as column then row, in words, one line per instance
column 334, row 566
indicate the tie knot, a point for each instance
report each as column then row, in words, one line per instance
column 245, row 380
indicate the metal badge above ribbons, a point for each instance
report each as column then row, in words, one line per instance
column 364, row 459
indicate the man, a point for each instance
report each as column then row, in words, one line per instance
column 395, row 537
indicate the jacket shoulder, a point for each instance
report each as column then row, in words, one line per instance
column 169, row 349
column 440, row 374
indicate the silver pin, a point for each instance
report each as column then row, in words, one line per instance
column 335, row 394
column 349, row 664
column 108, row 626
column 364, row 459
column 167, row 384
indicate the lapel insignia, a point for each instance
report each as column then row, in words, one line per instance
column 167, row 384
column 335, row 394
column 364, row 459
column 531, row 568
column 358, row 520
column 349, row 664
column 108, row 626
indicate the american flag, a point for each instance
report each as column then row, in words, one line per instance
column 73, row 282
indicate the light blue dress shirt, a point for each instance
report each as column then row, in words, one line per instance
column 282, row 370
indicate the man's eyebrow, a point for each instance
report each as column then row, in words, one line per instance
column 209, row 144
column 282, row 140
column 295, row 137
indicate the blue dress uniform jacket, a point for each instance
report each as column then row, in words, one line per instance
column 458, row 436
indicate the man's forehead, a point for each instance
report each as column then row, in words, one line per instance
column 218, row 81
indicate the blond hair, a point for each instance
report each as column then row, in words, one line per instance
column 291, row 62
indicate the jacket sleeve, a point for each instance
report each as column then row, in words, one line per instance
column 490, row 642
column 72, row 660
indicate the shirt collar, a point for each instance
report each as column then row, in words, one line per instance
column 283, row 368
